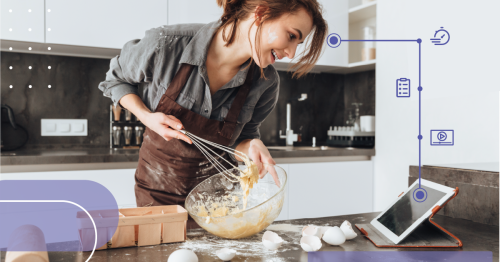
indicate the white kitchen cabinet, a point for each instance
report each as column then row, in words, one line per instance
column 22, row 20
column 120, row 182
column 330, row 189
column 98, row 23
column 193, row 11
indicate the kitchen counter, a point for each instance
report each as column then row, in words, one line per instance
column 475, row 237
column 29, row 160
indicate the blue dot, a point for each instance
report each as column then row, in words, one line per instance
column 420, row 137
column 419, row 40
column 420, row 194
column 334, row 40
column 419, row 88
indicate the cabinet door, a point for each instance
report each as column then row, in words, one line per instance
column 120, row 182
column 336, row 13
column 22, row 20
column 100, row 23
column 330, row 189
column 193, row 11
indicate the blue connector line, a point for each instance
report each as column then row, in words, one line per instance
column 419, row 41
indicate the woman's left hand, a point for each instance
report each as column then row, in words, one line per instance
column 260, row 155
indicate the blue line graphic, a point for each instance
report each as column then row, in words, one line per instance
column 419, row 41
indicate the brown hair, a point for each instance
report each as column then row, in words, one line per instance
column 237, row 10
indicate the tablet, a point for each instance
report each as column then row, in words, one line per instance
column 410, row 209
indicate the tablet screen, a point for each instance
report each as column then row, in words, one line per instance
column 406, row 210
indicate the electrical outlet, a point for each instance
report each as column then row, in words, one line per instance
column 64, row 127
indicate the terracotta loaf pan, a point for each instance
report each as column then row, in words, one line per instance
column 141, row 226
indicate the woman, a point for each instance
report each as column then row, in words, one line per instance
column 216, row 81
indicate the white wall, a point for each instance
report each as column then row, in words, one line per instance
column 460, row 83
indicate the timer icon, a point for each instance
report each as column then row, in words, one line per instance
column 441, row 37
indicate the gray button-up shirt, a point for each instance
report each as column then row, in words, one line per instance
column 148, row 65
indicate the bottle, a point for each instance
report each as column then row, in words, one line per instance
column 368, row 51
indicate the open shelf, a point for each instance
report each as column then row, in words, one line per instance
column 363, row 12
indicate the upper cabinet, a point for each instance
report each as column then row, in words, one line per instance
column 98, row 23
column 22, row 20
column 193, row 11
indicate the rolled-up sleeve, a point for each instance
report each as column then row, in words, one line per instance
column 263, row 108
column 134, row 65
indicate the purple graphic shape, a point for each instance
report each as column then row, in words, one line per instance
column 398, row 256
column 333, row 40
column 441, row 137
column 57, row 220
column 420, row 194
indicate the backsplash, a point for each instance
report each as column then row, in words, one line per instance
column 74, row 94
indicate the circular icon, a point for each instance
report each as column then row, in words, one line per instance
column 333, row 40
column 419, row 195
column 443, row 35
column 441, row 136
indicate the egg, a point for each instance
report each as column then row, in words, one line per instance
column 271, row 240
column 226, row 254
column 349, row 233
column 311, row 231
column 310, row 243
column 183, row 255
column 323, row 230
column 334, row 236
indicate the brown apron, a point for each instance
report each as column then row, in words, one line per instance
column 168, row 171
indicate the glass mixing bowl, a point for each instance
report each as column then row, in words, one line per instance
column 264, row 204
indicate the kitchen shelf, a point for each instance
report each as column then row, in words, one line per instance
column 363, row 12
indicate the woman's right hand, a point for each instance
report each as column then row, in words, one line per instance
column 165, row 125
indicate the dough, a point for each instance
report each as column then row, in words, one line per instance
column 248, row 178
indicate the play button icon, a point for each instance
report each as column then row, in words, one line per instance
column 442, row 136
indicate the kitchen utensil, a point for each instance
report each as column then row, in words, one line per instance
column 13, row 135
column 128, row 115
column 117, row 131
column 139, row 130
column 206, row 146
column 367, row 123
column 117, row 110
column 127, row 133
column 265, row 202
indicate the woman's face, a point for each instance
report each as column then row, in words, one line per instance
column 280, row 37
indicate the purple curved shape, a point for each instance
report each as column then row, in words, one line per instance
column 65, row 226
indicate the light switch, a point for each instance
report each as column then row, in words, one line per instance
column 50, row 127
column 77, row 127
column 64, row 127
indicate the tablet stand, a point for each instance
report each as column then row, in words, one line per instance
column 427, row 234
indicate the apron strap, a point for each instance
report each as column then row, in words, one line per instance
column 239, row 100
column 179, row 81
column 232, row 116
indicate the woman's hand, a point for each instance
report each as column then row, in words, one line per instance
column 165, row 125
column 259, row 154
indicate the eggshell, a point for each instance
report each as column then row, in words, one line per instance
column 183, row 255
column 310, row 243
column 271, row 240
column 323, row 230
column 334, row 236
column 226, row 254
column 311, row 231
column 349, row 233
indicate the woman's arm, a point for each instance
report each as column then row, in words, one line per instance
column 162, row 124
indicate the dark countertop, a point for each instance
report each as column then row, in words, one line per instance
column 107, row 155
column 475, row 237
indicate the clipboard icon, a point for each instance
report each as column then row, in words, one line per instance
column 403, row 87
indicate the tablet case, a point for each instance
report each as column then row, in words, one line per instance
column 427, row 234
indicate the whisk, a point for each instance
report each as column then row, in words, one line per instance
column 204, row 146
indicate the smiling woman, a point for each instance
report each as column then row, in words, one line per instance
column 287, row 23
column 215, row 81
